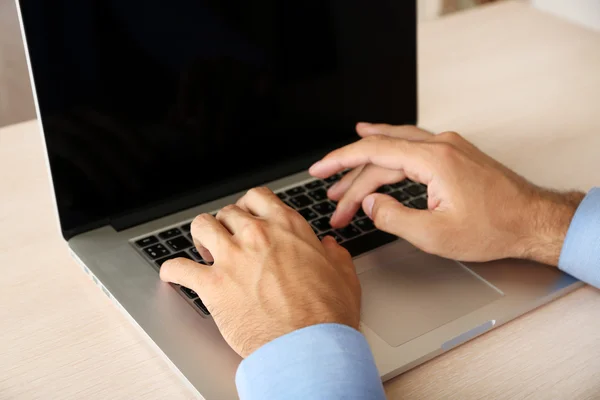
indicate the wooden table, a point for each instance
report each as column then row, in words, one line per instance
column 522, row 85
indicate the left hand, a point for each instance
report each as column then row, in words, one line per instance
column 271, row 274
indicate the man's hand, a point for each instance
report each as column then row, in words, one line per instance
column 271, row 274
column 478, row 210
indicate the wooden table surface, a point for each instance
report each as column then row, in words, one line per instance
column 522, row 85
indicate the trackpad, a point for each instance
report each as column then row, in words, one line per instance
column 410, row 293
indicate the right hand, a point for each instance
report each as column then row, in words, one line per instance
column 478, row 210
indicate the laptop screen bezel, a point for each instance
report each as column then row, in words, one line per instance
column 149, row 212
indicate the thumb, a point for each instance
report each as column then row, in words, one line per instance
column 391, row 216
column 187, row 273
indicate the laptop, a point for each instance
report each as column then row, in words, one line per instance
column 155, row 112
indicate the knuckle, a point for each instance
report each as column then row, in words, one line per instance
column 450, row 136
column 381, row 217
column 228, row 208
column 259, row 191
column 201, row 220
column 376, row 138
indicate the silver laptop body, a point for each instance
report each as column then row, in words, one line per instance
column 99, row 90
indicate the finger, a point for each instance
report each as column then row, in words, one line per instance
column 260, row 201
column 414, row 158
column 187, row 273
column 234, row 218
column 393, row 217
column 408, row 132
column 370, row 179
column 336, row 191
column 210, row 237
column 335, row 252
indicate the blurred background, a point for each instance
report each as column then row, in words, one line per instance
column 16, row 102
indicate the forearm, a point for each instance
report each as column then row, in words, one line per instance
column 546, row 224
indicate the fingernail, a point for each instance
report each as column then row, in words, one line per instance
column 368, row 205
column 365, row 123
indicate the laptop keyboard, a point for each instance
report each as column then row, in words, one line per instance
column 310, row 200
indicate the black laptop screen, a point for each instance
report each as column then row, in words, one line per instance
column 143, row 102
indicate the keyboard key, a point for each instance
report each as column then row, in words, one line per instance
column 399, row 195
column 360, row 213
column 201, row 306
column 189, row 292
column 318, row 195
column 314, row 184
column 156, row 251
column 368, row 242
column 333, row 178
column 349, row 232
column 333, row 234
column 300, row 201
column 384, row 189
column 187, row 227
column 194, row 252
column 324, row 208
column 365, row 224
column 282, row 195
column 416, row 190
column 322, row 224
column 147, row 241
column 174, row 255
column 420, row 203
column 295, row 191
column 179, row 243
column 168, row 234
column 401, row 184
column 308, row 214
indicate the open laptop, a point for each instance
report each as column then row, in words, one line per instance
column 154, row 112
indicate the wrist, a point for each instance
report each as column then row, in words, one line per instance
column 546, row 226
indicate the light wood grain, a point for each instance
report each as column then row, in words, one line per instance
column 522, row 85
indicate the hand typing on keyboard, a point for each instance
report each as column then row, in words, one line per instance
column 271, row 274
column 476, row 209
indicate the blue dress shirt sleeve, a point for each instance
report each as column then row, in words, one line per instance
column 580, row 255
column 325, row 361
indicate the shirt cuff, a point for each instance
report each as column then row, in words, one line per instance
column 580, row 255
column 325, row 361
